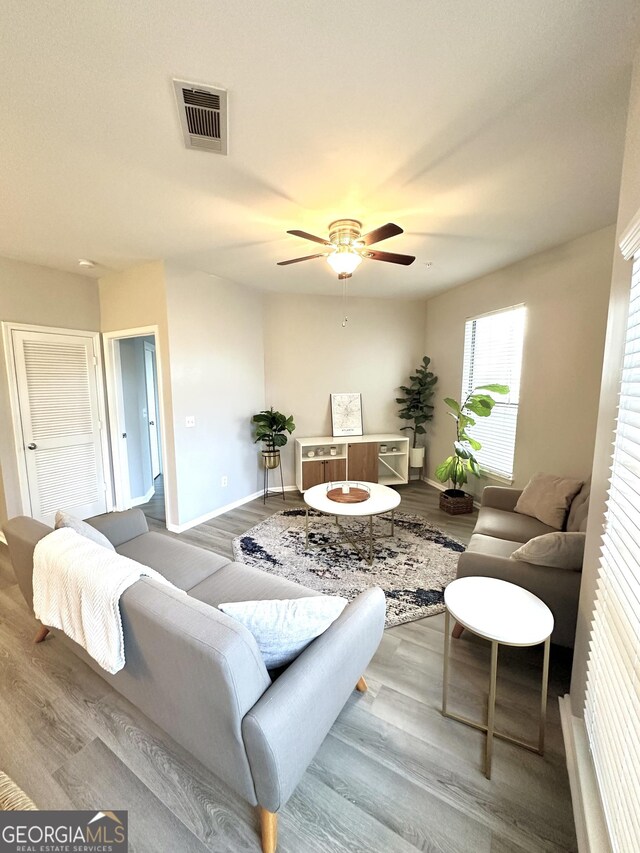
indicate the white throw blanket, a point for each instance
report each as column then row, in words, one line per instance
column 77, row 586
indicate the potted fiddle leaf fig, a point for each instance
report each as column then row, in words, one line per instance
column 415, row 406
column 271, row 428
column 457, row 467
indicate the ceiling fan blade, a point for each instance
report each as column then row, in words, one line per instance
column 382, row 233
column 306, row 236
column 390, row 257
column 297, row 260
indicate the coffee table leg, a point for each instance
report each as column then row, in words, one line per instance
column 370, row 540
column 492, row 708
column 445, row 671
column 306, row 530
column 393, row 519
column 543, row 697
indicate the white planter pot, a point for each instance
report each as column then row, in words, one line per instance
column 416, row 457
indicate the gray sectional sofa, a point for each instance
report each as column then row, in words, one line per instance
column 500, row 531
column 197, row 672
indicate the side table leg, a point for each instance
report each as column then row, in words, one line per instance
column 543, row 696
column 492, row 708
column 393, row 521
column 445, row 671
column 306, row 529
column 370, row 540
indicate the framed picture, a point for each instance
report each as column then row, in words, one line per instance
column 346, row 414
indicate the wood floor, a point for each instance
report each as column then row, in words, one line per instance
column 155, row 507
column 393, row 776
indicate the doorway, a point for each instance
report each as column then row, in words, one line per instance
column 135, row 412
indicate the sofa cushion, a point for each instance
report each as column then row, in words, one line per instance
column 548, row 498
column 559, row 550
column 481, row 544
column 182, row 564
column 509, row 525
column 579, row 512
column 284, row 628
column 65, row 519
column 237, row 582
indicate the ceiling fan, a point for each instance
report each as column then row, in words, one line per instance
column 346, row 246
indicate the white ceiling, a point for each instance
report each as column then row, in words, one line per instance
column 487, row 130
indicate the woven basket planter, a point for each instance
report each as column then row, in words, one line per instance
column 456, row 504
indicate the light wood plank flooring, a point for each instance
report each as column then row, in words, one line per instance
column 155, row 508
column 393, row 774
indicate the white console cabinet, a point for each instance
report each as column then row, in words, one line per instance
column 378, row 458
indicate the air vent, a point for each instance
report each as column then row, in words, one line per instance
column 203, row 116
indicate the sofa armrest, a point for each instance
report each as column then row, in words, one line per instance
column 285, row 728
column 558, row 588
column 499, row 497
column 120, row 527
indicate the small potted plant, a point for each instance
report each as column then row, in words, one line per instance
column 456, row 468
column 270, row 427
column 416, row 406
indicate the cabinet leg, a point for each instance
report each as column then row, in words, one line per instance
column 268, row 830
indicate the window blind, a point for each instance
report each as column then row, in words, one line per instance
column 612, row 709
column 493, row 354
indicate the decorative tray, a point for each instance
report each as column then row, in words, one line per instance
column 357, row 493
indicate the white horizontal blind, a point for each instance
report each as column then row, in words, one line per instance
column 493, row 354
column 612, row 710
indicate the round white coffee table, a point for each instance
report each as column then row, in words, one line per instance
column 504, row 613
column 381, row 500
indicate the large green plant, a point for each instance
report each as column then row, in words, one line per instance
column 415, row 405
column 457, row 467
column 271, row 427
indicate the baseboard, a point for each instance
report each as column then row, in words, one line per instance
column 144, row 499
column 436, row 485
column 591, row 828
column 441, row 487
column 187, row 525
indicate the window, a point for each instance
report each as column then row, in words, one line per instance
column 612, row 707
column 493, row 354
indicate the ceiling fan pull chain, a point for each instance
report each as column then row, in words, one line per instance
column 344, row 302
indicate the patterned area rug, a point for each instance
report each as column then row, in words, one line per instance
column 412, row 568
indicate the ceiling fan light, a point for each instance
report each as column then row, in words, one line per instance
column 344, row 260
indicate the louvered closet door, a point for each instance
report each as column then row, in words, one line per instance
column 58, row 399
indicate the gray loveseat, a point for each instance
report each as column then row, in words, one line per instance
column 197, row 672
column 500, row 531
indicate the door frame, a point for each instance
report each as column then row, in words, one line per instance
column 122, row 497
column 8, row 328
column 151, row 348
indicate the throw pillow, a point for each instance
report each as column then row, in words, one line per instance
column 283, row 628
column 548, row 498
column 559, row 550
column 65, row 519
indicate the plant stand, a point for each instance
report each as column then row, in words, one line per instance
column 456, row 504
column 267, row 493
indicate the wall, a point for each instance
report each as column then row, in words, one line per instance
column 134, row 299
column 217, row 371
column 629, row 205
column 565, row 290
column 308, row 355
column 44, row 297
column 134, row 394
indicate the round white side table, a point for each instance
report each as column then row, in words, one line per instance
column 381, row 500
column 504, row 613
